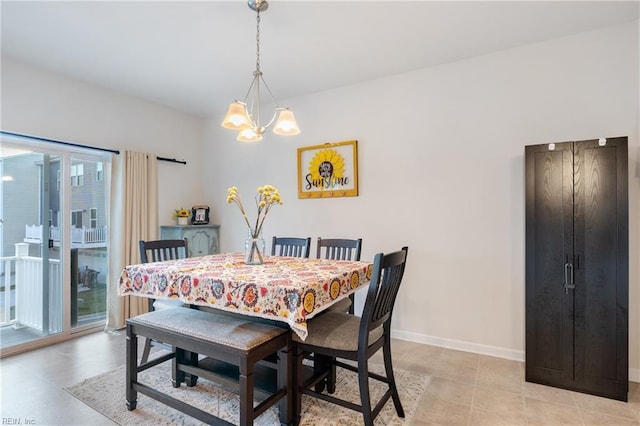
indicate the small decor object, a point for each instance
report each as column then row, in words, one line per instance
column 199, row 215
column 182, row 216
column 254, row 247
column 267, row 197
column 329, row 170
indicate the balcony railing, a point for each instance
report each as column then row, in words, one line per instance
column 23, row 274
column 80, row 237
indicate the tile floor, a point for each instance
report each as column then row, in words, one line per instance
column 466, row 388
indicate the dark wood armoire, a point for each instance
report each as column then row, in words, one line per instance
column 577, row 268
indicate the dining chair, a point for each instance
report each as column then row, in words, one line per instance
column 342, row 335
column 340, row 249
column 290, row 246
column 157, row 251
column 335, row 249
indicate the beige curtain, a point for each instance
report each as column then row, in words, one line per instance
column 133, row 217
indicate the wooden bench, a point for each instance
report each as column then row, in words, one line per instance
column 231, row 341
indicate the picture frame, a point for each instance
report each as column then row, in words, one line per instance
column 329, row 170
column 200, row 215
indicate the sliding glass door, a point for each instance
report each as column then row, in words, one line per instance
column 32, row 293
column 88, row 235
column 53, row 243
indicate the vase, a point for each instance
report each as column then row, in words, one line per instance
column 254, row 249
column 183, row 220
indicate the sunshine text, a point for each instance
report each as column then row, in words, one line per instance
column 325, row 183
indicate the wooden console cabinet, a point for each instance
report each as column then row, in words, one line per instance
column 203, row 239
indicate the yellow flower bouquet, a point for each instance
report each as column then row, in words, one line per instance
column 181, row 213
column 267, row 196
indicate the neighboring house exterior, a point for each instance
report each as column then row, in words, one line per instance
column 20, row 202
column 21, row 207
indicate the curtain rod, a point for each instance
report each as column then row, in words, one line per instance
column 77, row 145
column 171, row 160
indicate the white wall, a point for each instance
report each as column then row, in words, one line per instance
column 40, row 103
column 441, row 165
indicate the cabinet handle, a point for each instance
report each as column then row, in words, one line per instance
column 568, row 282
column 573, row 282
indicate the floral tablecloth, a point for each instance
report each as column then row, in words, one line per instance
column 288, row 289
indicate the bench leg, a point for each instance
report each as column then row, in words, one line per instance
column 183, row 357
column 298, row 376
column 177, row 376
column 131, row 369
column 146, row 351
column 192, row 358
column 246, row 394
column 286, row 380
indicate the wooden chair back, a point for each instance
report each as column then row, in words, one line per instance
column 159, row 250
column 388, row 270
column 289, row 246
column 339, row 248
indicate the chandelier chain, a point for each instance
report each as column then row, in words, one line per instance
column 258, row 41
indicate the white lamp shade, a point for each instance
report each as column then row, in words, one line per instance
column 236, row 118
column 248, row 135
column 286, row 124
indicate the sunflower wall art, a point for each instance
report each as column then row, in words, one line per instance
column 328, row 170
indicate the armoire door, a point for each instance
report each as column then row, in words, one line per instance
column 577, row 266
column 601, row 267
column 549, row 250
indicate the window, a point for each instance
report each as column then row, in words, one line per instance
column 58, row 173
column 77, row 175
column 94, row 218
column 99, row 172
column 76, row 218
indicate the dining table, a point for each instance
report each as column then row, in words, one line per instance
column 285, row 289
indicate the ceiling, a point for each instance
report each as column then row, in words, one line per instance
column 198, row 56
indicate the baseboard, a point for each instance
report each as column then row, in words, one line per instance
column 459, row 345
column 512, row 354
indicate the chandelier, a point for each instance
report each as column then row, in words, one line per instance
column 244, row 116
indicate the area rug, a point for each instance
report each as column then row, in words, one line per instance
column 105, row 393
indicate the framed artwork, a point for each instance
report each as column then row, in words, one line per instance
column 199, row 215
column 328, row 170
